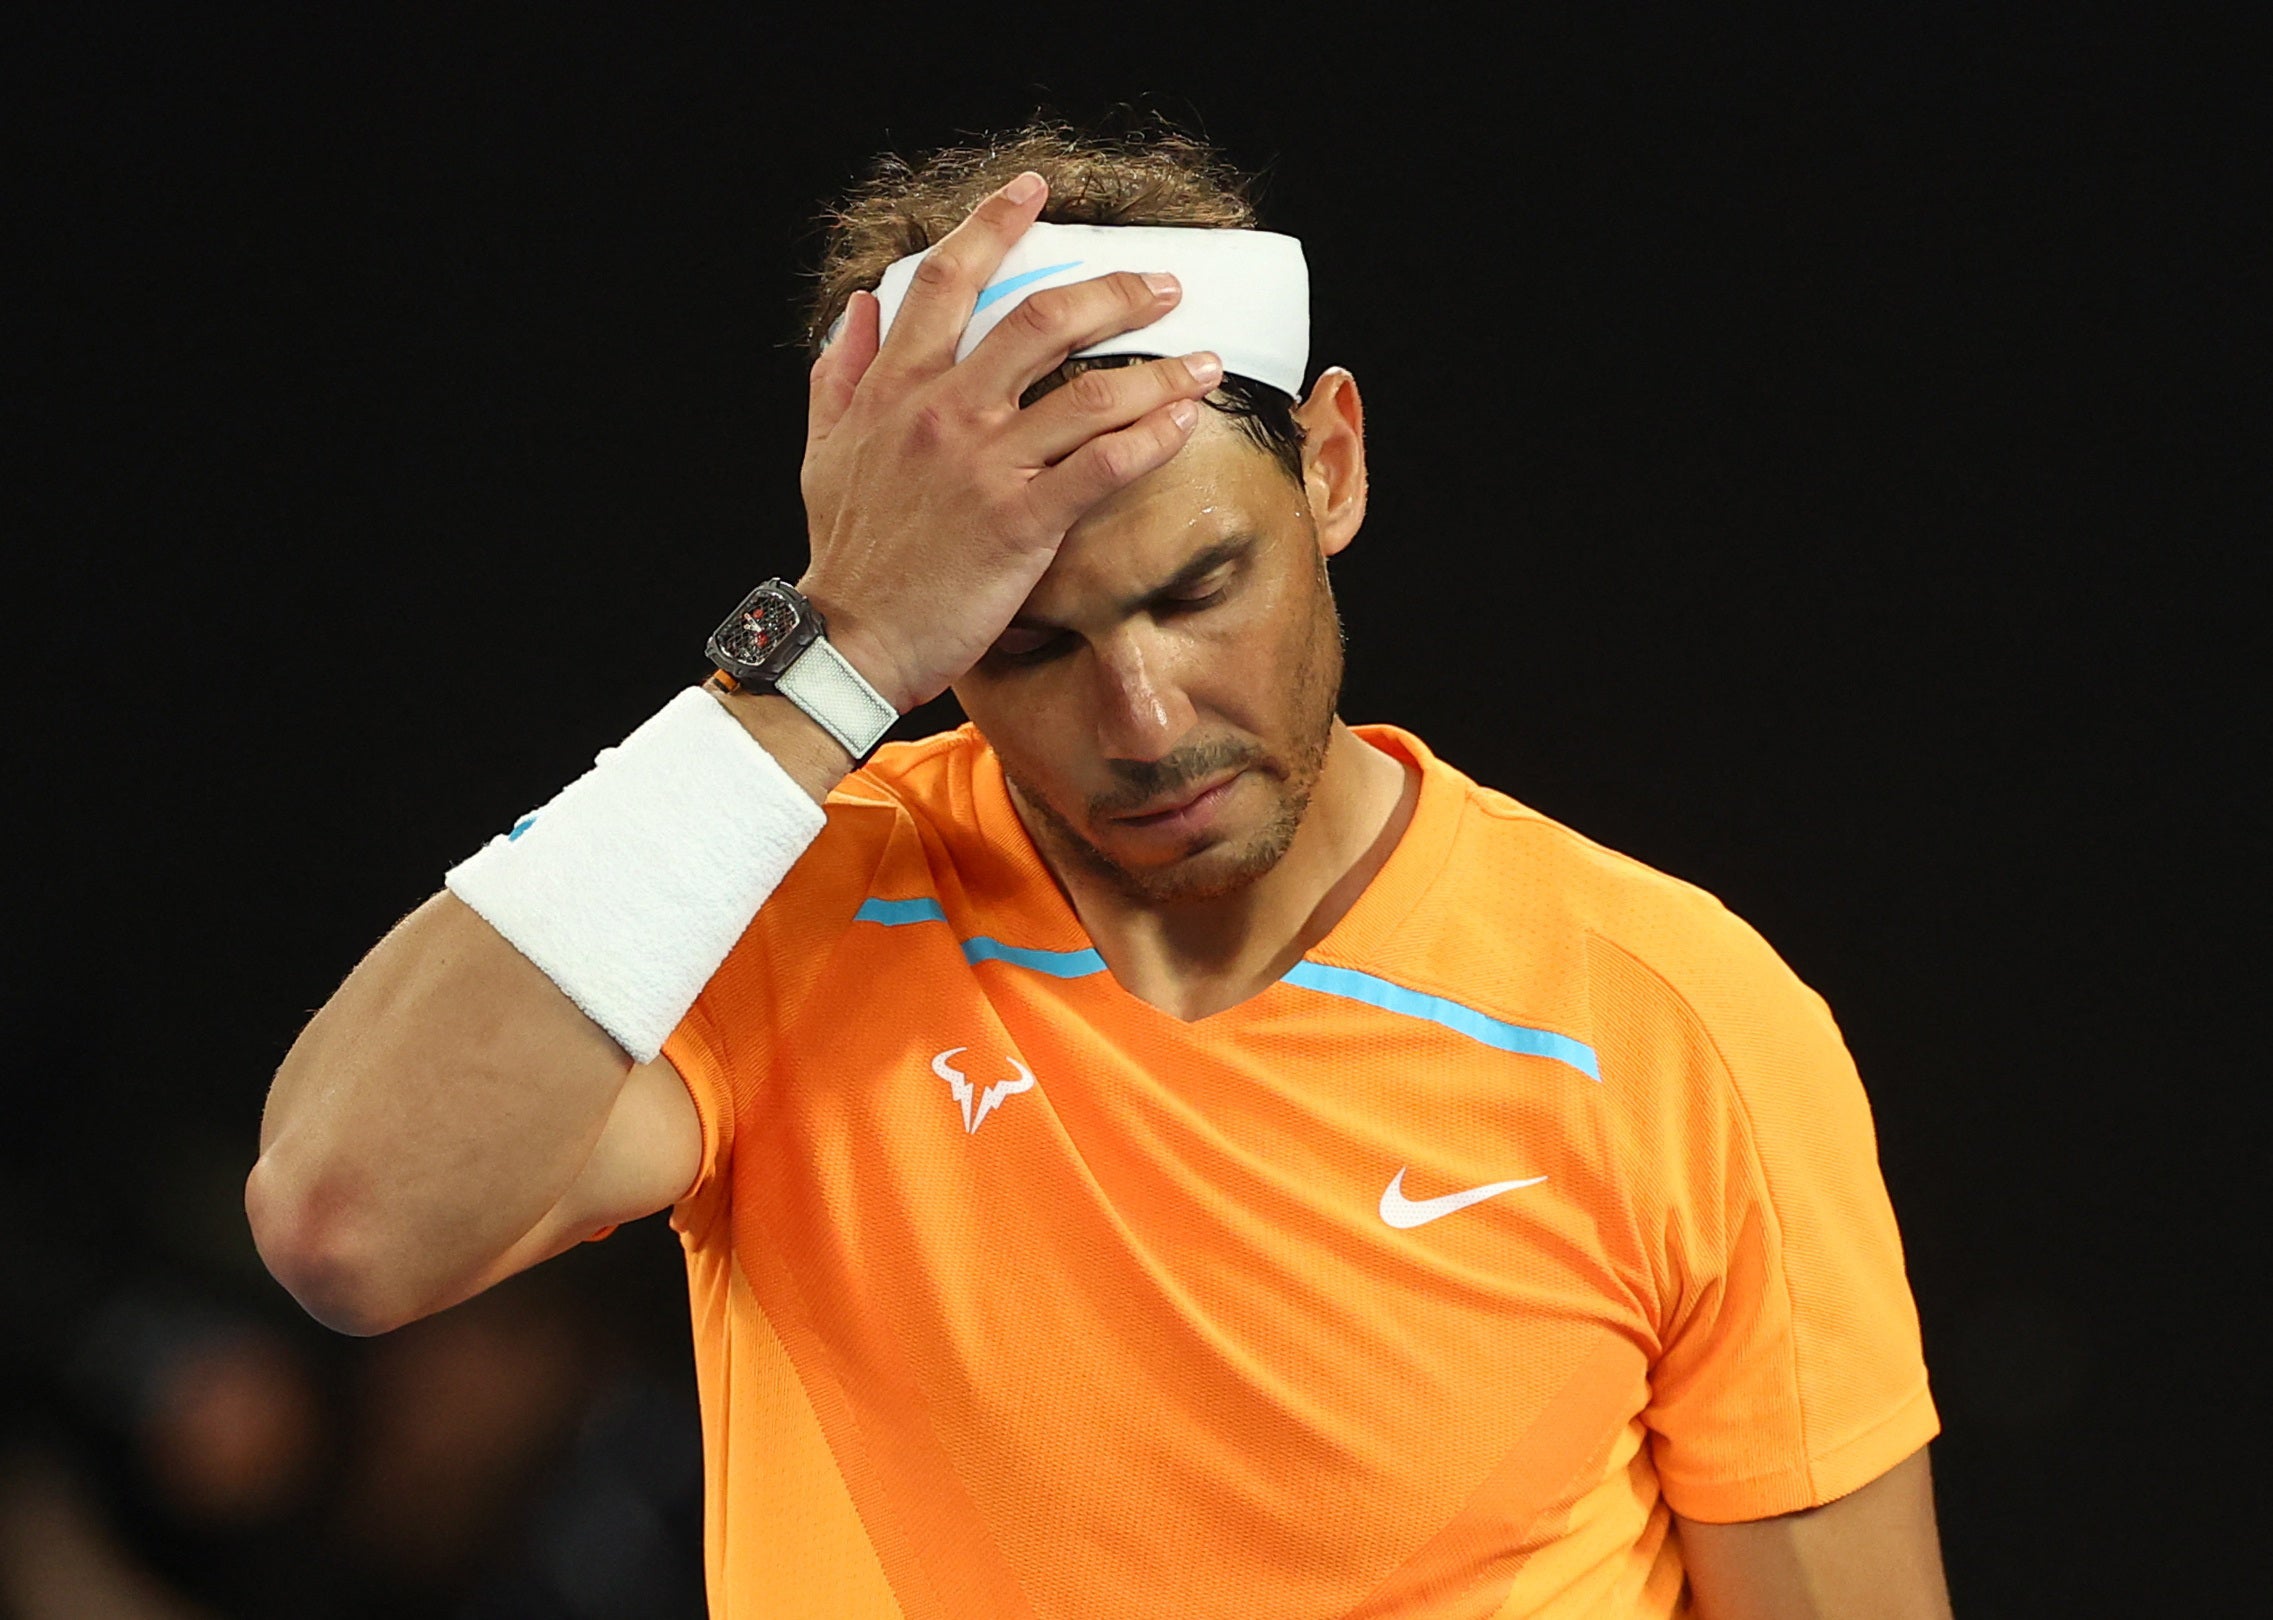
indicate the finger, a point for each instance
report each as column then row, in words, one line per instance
column 938, row 305
column 1108, row 463
column 1036, row 338
column 1104, row 401
column 836, row 374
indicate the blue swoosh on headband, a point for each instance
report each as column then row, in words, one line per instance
column 1010, row 284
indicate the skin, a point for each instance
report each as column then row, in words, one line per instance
column 1131, row 601
column 1873, row 1554
column 1185, row 640
column 449, row 1116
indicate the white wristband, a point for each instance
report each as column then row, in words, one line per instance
column 630, row 887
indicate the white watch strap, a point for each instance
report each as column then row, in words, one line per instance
column 830, row 690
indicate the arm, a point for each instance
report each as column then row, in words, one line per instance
column 1871, row 1555
column 450, row 1116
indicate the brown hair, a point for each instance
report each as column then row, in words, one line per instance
column 1145, row 176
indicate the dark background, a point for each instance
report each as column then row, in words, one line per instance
column 1812, row 455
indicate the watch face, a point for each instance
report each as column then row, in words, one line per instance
column 766, row 625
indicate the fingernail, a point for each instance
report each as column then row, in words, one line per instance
column 1184, row 413
column 1025, row 188
column 1204, row 367
column 1163, row 284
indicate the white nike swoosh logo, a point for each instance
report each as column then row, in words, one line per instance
column 1403, row 1213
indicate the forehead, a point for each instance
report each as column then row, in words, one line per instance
column 1219, row 486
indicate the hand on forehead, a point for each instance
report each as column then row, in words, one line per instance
column 1219, row 493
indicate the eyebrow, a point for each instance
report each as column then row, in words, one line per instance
column 1228, row 550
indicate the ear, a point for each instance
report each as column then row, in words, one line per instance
column 1333, row 457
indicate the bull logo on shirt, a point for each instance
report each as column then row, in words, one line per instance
column 987, row 1100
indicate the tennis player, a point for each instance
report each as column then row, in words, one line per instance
column 1157, row 1149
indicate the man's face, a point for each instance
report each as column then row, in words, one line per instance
column 1163, row 702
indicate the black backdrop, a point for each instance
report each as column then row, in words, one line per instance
column 1808, row 455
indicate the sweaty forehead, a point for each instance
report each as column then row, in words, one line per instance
column 1219, row 486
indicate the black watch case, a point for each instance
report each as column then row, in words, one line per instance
column 764, row 636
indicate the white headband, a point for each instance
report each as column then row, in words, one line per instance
column 1246, row 293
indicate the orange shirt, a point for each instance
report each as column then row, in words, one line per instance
column 1538, row 1201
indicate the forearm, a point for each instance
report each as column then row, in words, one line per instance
column 429, row 1115
column 447, row 1099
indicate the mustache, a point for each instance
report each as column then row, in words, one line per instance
column 1140, row 782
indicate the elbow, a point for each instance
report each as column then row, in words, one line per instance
column 327, row 1258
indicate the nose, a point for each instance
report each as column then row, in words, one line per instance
column 1142, row 712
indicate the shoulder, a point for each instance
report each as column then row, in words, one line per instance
column 1624, row 940
column 903, row 791
column 917, row 768
column 1581, row 883
column 926, row 779
column 1724, row 1066
column 1713, row 960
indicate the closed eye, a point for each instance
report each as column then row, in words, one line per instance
column 1023, row 648
column 1189, row 604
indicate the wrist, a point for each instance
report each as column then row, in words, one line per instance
column 815, row 760
column 872, row 656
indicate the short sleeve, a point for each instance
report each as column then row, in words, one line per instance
column 698, row 1052
column 724, row 1048
column 1789, row 1370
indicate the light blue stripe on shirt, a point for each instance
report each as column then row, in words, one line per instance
column 899, row 913
column 980, row 948
column 1374, row 992
column 1347, row 983
column 1057, row 964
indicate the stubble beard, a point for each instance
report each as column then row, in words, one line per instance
column 1292, row 778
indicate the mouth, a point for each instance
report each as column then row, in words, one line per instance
column 1187, row 812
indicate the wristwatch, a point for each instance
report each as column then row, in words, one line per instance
column 777, row 641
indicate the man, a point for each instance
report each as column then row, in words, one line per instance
column 1158, row 1149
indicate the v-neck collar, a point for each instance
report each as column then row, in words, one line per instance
column 1368, row 927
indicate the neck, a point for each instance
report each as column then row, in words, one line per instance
column 1195, row 957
